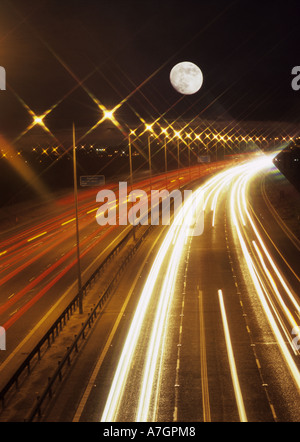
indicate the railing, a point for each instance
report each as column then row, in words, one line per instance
column 85, row 327
column 65, row 315
column 61, row 321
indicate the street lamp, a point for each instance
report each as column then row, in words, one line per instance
column 150, row 131
column 77, row 226
column 107, row 115
column 178, row 136
column 189, row 136
column 132, row 132
column 165, row 132
column 198, row 154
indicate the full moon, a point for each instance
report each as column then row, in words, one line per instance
column 186, row 78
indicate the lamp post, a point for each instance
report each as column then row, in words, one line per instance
column 132, row 132
column 149, row 156
column 77, row 226
column 224, row 147
column 164, row 131
column 150, row 130
column 107, row 115
column 178, row 160
column 177, row 134
column 198, row 156
column 189, row 136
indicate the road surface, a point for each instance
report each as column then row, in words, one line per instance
column 38, row 263
column 203, row 327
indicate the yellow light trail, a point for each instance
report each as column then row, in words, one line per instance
column 168, row 258
column 112, row 404
column 93, row 210
column 254, row 272
column 69, row 221
column 159, row 325
column 271, row 261
column 37, row 236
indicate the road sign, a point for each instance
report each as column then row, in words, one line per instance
column 2, row 339
column 204, row 159
column 92, row 180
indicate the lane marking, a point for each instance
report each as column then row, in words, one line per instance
column 93, row 210
column 97, row 368
column 67, row 222
column 203, row 363
column 234, row 376
column 34, row 331
column 37, row 236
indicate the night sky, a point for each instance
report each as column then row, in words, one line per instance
column 245, row 49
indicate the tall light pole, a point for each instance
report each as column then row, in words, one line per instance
column 132, row 132
column 164, row 131
column 149, row 156
column 178, row 160
column 77, row 226
column 198, row 156
column 189, row 136
column 150, row 130
column 177, row 134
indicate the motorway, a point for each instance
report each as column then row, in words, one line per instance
column 38, row 265
column 203, row 327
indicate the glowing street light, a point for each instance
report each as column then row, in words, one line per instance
column 108, row 114
column 150, row 131
column 149, row 127
column 77, row 226
column 165, row 132
column 178, row 136
column 189, row 137
column 132, row 132
column 38, row 120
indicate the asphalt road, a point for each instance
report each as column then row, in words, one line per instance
column 38, row 265
column 200, row 328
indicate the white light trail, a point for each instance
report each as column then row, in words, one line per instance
column 164, row 269
column 239, row 193
column 234, row 375
column 176, row 231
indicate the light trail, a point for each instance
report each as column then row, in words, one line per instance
column 264, row 252
column 37, row 236
column 262, row 271
column 265, row 294
column 233, row 370
column 173, row 246
column 224, row 182
column 165, row 298
column 177, row 230
column 69, row 221
column 203, row 363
